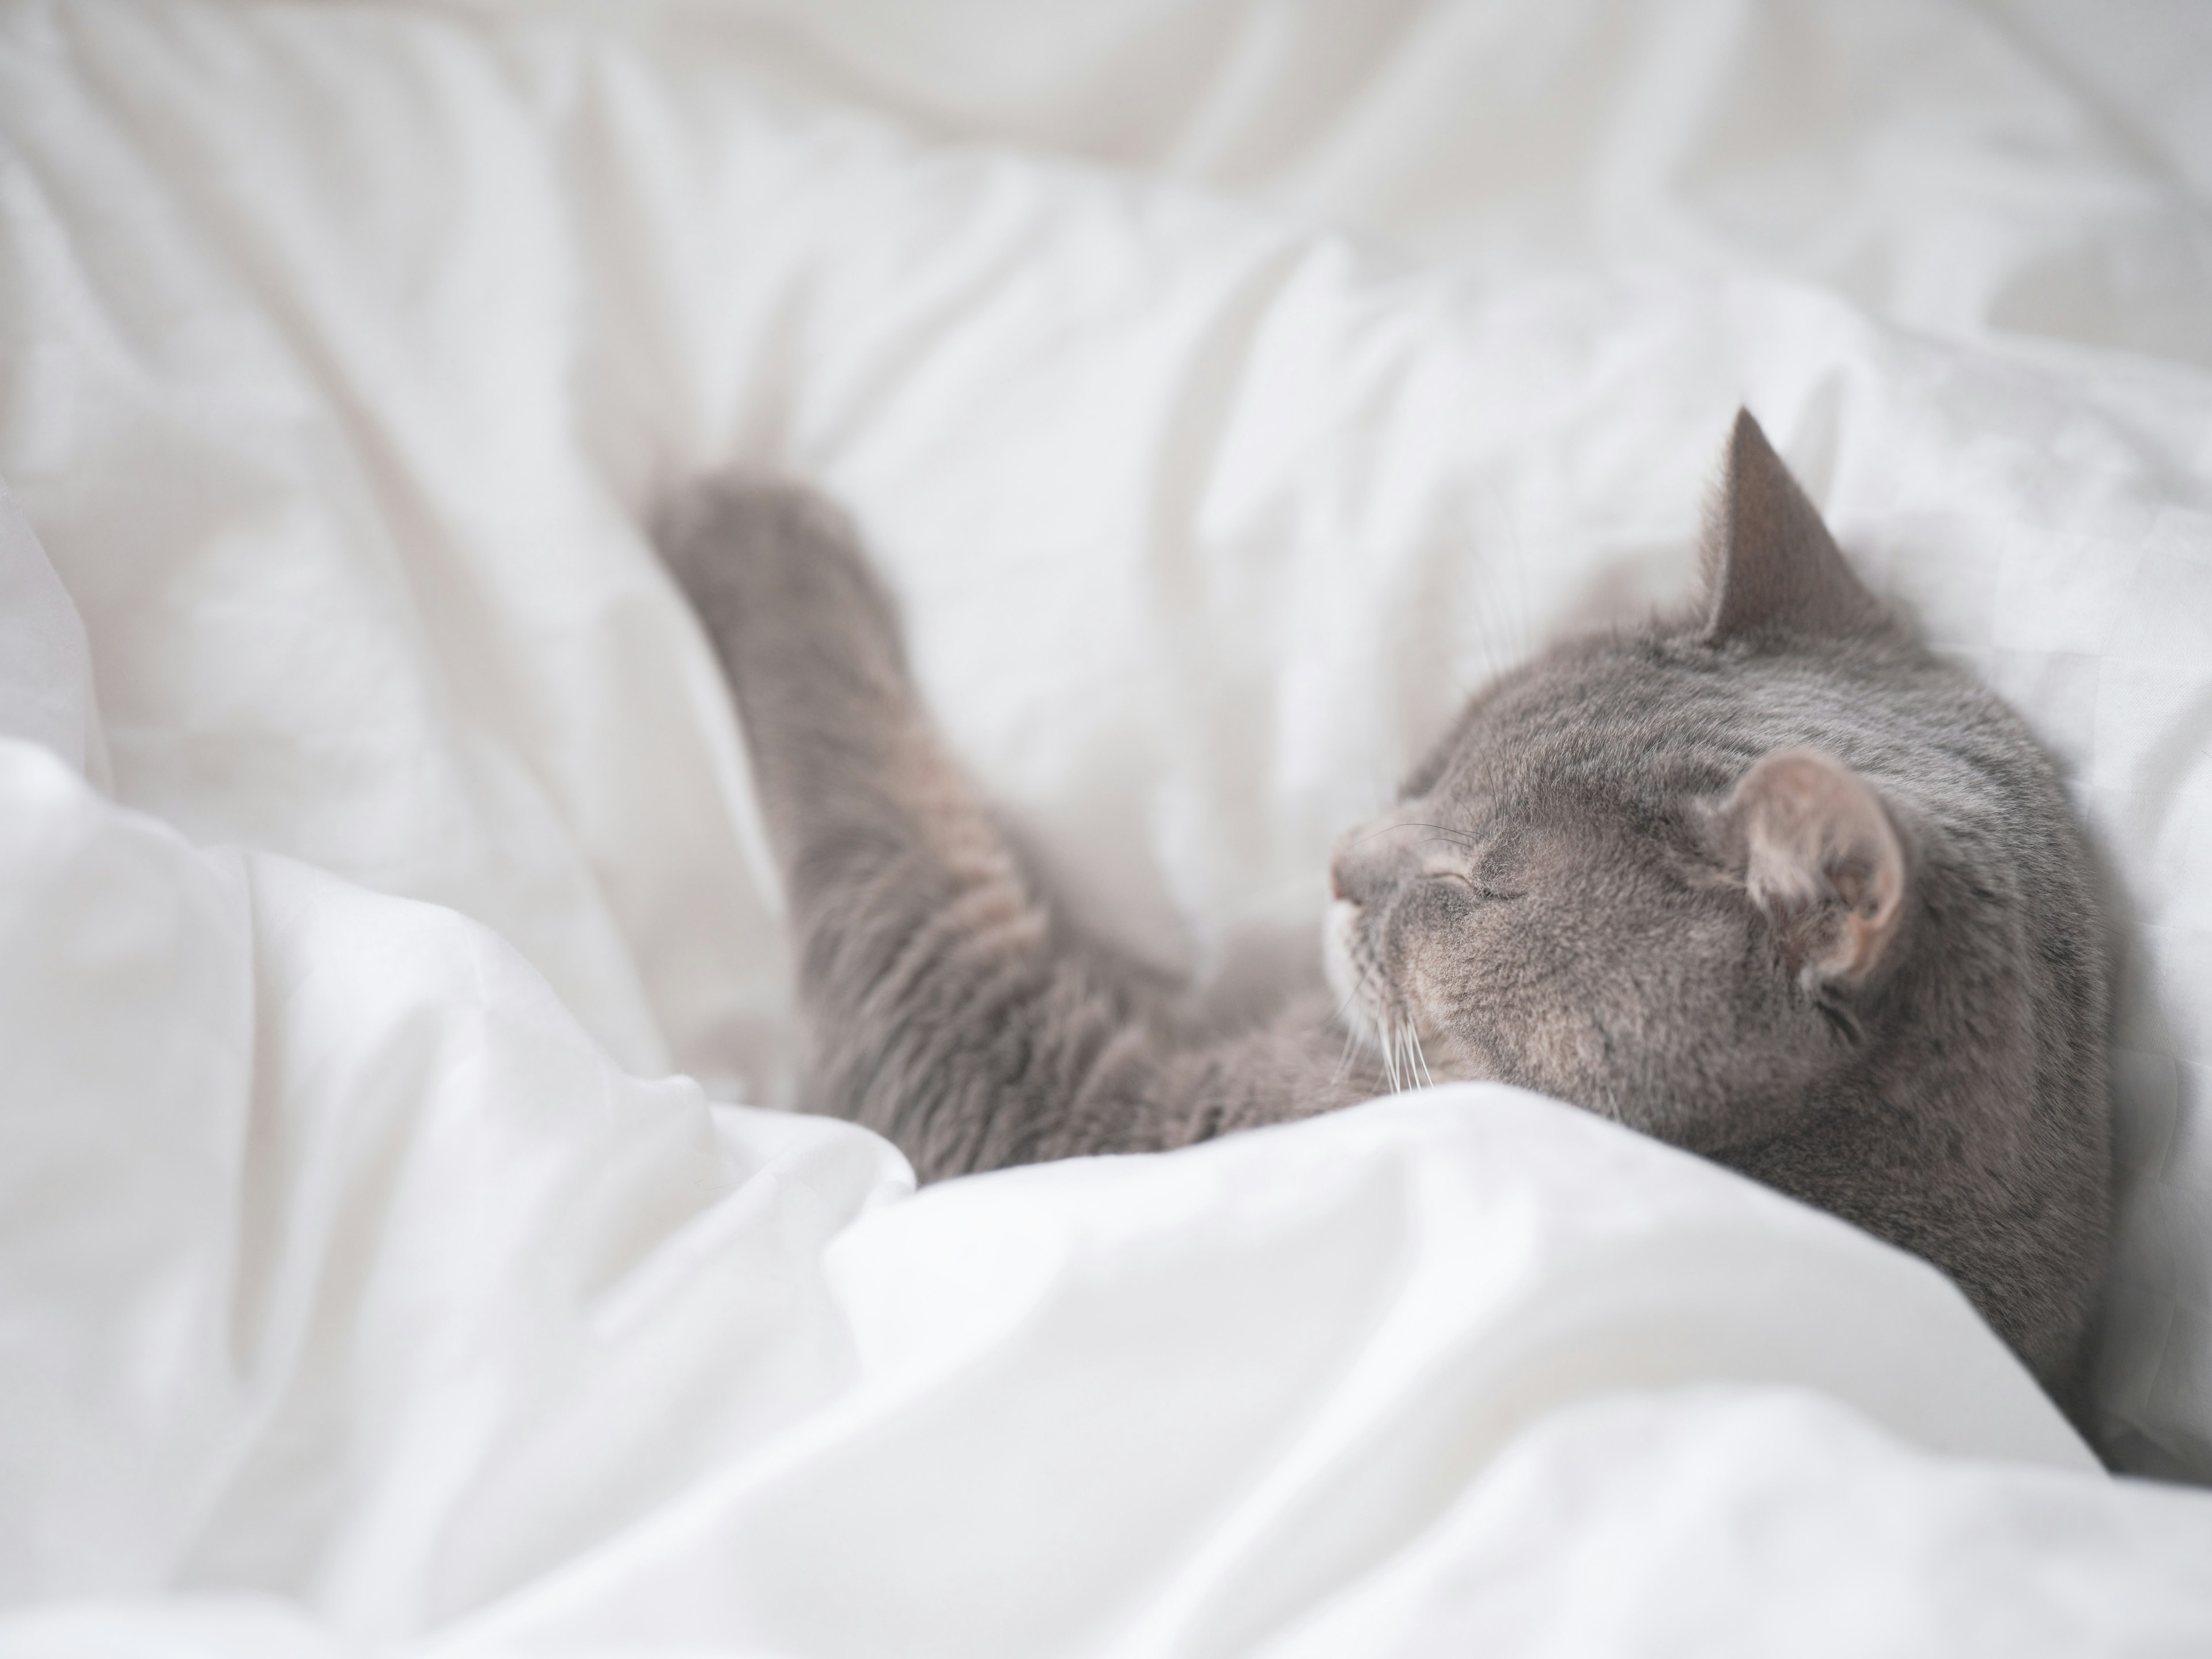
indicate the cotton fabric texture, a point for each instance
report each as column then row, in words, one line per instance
column 401, row 1250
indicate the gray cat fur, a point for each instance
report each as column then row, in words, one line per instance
column 1764, row 880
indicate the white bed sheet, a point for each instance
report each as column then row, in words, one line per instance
column 353, row 1297
column 347, row 1263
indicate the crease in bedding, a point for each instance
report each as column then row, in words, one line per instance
column 402, row 1248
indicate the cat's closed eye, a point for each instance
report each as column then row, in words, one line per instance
column 1475, row 887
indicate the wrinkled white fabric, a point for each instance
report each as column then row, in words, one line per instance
column 45, row 668
column 352, row 1286
column 341, row 1267
column 2000, row 169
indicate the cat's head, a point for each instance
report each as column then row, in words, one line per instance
column 1639, row 874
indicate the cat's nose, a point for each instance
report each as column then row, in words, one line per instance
column 1351, row 874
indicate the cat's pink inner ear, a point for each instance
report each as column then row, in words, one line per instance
column 1769, row 561
column 1822, row 857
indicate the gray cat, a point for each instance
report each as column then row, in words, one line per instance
column 1764, row 880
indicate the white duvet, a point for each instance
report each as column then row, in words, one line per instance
column 1224, row 390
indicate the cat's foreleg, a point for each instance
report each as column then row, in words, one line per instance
column 942, row 1006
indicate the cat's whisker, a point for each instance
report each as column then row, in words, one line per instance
column 1420, row 1056
column 1456, row 837
column 1444, row 833
column 1388, row 829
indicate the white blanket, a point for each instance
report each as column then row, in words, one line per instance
column 376, row 823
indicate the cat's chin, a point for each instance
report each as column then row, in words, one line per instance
column 1340, row 965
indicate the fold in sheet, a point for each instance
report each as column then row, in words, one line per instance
column 375, row 821
column 380, row 1290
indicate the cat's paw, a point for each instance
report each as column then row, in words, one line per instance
column 775, row 572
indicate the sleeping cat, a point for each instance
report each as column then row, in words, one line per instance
column 1764, row 879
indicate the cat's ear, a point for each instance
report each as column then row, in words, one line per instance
column 1824, row 860
column 1770, row 562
